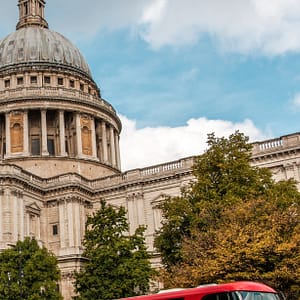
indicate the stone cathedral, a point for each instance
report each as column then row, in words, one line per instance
column 59, row 148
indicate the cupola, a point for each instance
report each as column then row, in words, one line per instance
column 31, row 13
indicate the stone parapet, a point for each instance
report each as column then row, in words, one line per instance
column 281, row 144
column 182, row 166
column 50, row 92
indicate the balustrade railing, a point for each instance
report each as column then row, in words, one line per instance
column 273, row 145
column 53, row 92
column 129, row 176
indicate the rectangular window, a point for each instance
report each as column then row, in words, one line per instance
column 47, row 79
column 7, row 83
column 35, row 147
column 72, row 83
column 20, row 80
column 50, row 145
column 60, row 81
column 33, row 79
column 55, row 229
column 81, row 87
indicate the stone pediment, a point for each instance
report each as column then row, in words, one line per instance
column 158, row 199
column 33, row 208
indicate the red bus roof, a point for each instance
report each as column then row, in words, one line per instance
column 209, row 289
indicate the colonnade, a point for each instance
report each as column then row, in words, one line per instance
column 101, row 139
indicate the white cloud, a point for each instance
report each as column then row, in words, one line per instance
column 268, row 26
column 153, row 145
column 271, row 27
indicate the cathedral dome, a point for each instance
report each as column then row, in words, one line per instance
column 53, row 119
column 34, row 44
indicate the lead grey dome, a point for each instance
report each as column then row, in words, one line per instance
column 37, row 44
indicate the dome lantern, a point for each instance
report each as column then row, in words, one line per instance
column 31, row 13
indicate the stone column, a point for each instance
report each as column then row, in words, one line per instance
column 77, row 223
column 61, row 211
column 94, row 147
column 6, row 216
column 44, row 132
column 38, row 227
column 112, row 146
column 70, row 222
column 1, row 217
column 78, row 136
column 25, row 132
column 99, row 144
column 15, row 219
column 117, row 145
column 7, row 134
column 104, row 142
column 22, row 216
column 62, row 134
column 27, row 224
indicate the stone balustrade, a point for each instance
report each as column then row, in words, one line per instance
column 24, row 92
column 183, row 165
column 274, row 145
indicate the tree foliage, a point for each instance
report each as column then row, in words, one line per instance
column 232, row 223
column 117, row 264
column 28, row 272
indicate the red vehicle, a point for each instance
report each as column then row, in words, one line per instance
column 240, row 290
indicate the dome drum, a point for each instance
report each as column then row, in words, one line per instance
column 49, row 135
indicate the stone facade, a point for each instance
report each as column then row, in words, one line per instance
column 59, row 149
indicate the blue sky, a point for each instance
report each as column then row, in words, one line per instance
column 176, row 70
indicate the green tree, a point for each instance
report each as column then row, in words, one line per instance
column 117, row 264
column 232, row 223
column 28, row 272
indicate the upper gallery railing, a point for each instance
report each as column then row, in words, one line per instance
column 53, row 92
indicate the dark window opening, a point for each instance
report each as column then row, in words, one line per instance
column 72, row 83
column 35, row 147
column 55, row 230
column 81, row 87
column 47, row 79
column 20, row 80
column 60, row 81
column 33, row 79
column 67, row 146
column 50, row 145
column 7, row 83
